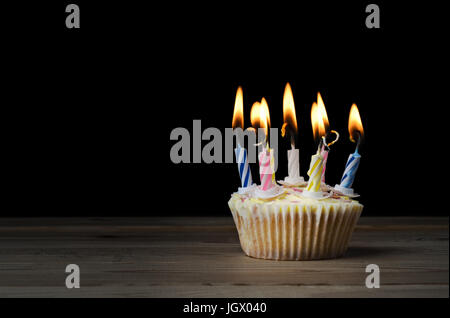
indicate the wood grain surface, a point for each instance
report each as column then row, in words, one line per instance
column 201, row 257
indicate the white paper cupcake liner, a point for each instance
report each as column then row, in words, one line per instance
column 295, row 231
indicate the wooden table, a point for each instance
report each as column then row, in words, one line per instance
column 201, row 257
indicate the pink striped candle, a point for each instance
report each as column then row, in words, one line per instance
column 325, row 159
column 265, row 170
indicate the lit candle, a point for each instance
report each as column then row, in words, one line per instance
column 290, row 127
column 326, row 146
column 240, row 152
column 315, row 173
column 356, row 131
column 260, row 118
column 316, row 166
column 326, row 151
column 266, row 118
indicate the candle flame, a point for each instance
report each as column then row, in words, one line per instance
column 255, row 114
column 265, row 114
column 319, row 118
column 323, row 112
column 260, row 116
column 317, row 122
column 355, row 125
column 290, row 117
column 238, row 116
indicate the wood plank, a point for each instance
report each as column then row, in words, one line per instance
column 201, row 257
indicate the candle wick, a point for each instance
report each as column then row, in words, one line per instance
column 289, row 132
column 238, row 135
column 320, row 146
column 324, row 144
column 335, row 141
column 358, row 143
column 292, row 141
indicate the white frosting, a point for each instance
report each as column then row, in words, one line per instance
column 293, row 181
column 289, row 199
column 274, row 192
column 316, row 195
column 249, row 190
column 349, row 192
column 325, row 187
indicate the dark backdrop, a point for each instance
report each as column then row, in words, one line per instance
column 92, row 109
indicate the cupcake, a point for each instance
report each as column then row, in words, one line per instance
column 292, row 227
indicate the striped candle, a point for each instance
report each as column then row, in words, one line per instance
column 315, row 173
column 244, row 169
column 350, row 170
column 272, row 165
column 265, row 170
column 325, row 160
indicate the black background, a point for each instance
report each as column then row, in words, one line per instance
column 93, row 108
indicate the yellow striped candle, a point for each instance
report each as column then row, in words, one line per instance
column 272, row 165
column 315, row 173
column 319, row 121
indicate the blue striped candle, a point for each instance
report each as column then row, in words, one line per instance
column 350, row 170
column 244, row 169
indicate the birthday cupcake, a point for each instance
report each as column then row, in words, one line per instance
column 298, row 220
column 292, row 227
column 294, row 223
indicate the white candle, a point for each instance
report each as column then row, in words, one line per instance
column 294, row 163
column 290, row 128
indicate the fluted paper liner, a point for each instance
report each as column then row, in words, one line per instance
column 295, row 231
